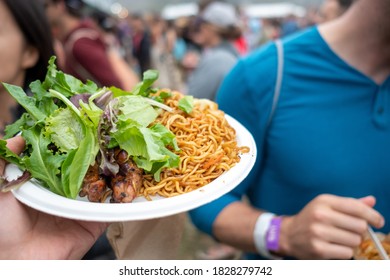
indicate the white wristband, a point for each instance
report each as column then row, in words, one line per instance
column 260, row 233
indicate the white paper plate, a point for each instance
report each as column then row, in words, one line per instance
column 35, row 196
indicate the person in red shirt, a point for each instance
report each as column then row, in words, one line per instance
column 86, row 54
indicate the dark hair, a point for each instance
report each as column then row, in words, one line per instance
column 74, row 7
column 231, row 32
column 345, row 3
column 31, row 19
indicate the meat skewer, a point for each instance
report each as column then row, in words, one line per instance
column 126, row 184
column 94, row 185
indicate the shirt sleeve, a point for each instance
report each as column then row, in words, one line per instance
column 92, row 55
column 246, row 94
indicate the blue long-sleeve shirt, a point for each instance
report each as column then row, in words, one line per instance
column 330, row 133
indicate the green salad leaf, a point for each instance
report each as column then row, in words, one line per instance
column 186, row 104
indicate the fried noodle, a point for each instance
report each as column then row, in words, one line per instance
column 208, row 148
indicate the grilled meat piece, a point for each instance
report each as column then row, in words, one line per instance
column 126, row 184
column 94, row 185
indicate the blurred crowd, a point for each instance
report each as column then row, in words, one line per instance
column 146, row 40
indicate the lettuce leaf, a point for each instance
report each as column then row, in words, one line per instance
column 146, row 145
column 186, row 104
column 134, row 108
column 64, row 130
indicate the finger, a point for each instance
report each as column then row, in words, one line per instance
column 338, row 236
column 357, row 208
column 346, row 222
column 16, row 144
column 368, row 200
column 329, row 251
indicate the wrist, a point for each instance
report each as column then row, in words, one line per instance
column 260, row 232
column 273, row 234
column 266, row 235
column 284, row 244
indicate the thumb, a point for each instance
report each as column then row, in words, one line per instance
column 16, row 145
column 368, row 200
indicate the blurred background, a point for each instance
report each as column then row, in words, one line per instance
column 157, row 5
column 143, row 29
column 124, row 7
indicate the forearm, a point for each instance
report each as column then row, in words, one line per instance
column 235, row 226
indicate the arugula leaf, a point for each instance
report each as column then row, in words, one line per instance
column 27, row 102
column 64, row 83
column 162, row 96
column 43, row 163
column 149, row 77
column 13, row 129
column 44, row 100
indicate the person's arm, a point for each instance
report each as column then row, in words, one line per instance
column 235, row 226
column 29, row 234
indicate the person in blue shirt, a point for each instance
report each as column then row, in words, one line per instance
column 322, row 175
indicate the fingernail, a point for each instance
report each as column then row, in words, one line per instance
column 381, row 222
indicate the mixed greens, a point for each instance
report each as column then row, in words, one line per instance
column 68, row 124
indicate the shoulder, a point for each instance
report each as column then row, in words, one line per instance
column 85, row 32
column 257, row 69
column 85, row 39
column 85, row 29
column 307, row 42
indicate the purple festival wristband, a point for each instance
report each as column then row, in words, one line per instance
column 273, row 233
